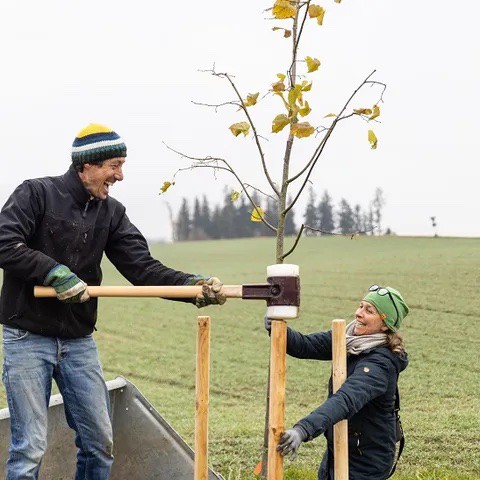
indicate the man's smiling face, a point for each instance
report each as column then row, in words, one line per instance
column 98, row 179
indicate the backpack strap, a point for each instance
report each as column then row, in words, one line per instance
column 399, row 436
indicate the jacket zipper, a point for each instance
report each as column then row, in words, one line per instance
column 84, row 213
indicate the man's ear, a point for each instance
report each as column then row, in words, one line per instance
column 383, row 328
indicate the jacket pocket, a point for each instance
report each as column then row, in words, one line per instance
column 355, row 444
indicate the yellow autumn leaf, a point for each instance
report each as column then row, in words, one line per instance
column 279, row 123
column 338, row 1
column 362, row 111
column 330, row 115
column 286, row 33
column 318, row 12
column 314, row 11
column 165, row 187
column 372, row 139
column 257, row 214
column 238, row 128
column 305, row 110
column 283, row 9
column 293, row 95
column 278, row 86
column 251, row 99
column 320, row 18
column 306, row 87
column 234, row 195
column 312, row 64
column 302, row 130
column 281, row 76
column 376, row 112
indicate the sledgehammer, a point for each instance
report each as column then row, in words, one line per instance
column 282, row 294
column 282, row 291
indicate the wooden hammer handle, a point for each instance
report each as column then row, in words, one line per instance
column 230, row 291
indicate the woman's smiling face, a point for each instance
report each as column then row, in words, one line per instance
column 367, row 320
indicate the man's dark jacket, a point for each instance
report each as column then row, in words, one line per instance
column 366, row 400
column 52, row 220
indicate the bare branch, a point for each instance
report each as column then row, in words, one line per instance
column 325, row 232
column 216, row 106
column 373, row 83
column 297, row 40
column 215, row 163
column 318, row 151
column 254, row 130
column 259, row 191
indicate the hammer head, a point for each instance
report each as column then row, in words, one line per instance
column 285, row 287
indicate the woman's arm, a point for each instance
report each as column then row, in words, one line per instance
column 368, row 381
column 316, row 346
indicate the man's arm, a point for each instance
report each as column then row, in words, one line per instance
column 18, row 220
column 128, row 250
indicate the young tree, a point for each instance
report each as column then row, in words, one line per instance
column 358, row 219
column 243, row 225
column 198, row 230
column 346, row 221
column 377, row 205
column 183, row 224
column 292, row 87
column 311, row 214
column 434, row 225
column 325, row 213
column 206, row 217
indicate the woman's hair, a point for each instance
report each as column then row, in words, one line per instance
column 395, row 343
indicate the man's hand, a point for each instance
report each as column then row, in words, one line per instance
column 69, row 288
column 290, row 441
column 211, row 290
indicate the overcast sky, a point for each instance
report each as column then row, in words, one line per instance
column 134, row 66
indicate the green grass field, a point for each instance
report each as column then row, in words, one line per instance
column 152, row 343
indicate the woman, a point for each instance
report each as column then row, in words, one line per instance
column 375, row 357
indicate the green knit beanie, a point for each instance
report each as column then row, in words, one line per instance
column 385, row 299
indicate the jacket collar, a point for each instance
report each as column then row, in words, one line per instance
column 75, row 186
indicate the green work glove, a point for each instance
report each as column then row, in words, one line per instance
column 69, row 288
column 211, row 290
column 290, row 441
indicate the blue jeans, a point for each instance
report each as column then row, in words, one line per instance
column 30, row 363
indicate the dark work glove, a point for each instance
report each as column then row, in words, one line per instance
column 211, row 290
column 69, row 288
column 290, row 441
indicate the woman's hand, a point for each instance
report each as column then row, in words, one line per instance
column 290, row 441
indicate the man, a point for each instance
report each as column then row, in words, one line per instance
column 54, row 231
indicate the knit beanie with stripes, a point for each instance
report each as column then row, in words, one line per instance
column 96, row 143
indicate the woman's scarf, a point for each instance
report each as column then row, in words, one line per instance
column 357, row 344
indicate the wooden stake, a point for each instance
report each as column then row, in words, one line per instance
column 278, row 363
column 202, row 383
column 340, row 429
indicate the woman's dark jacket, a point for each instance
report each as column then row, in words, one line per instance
column 366, row 400
column 52, row 220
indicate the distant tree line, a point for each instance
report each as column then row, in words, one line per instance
column 198, row 220
column 324, row 218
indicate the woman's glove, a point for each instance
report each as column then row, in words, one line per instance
column 290, row 441
column 268, row 324
column 69, row 288
column 211, row 290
